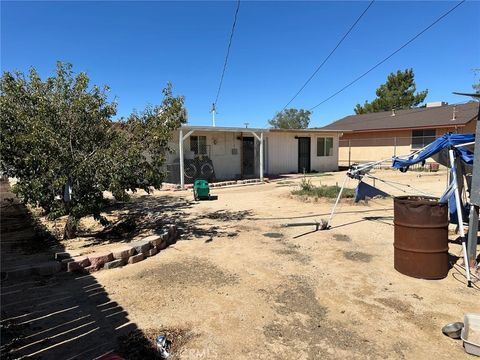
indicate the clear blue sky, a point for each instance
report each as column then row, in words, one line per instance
column 136, row 47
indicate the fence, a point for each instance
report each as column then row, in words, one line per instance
column 353, row 151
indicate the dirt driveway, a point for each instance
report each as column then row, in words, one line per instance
column 250, row 289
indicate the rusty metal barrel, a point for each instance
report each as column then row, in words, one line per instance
column 421, row 237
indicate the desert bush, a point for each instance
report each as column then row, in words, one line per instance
column 323, row 191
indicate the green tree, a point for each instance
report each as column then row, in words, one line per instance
column 398, row 92
column 57, row 138
column 291, row 119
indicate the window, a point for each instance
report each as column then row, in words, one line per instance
column 325, row 146
column 421, row 138
column 198, row 144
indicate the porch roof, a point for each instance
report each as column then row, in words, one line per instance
column 222, row 129
column 258, row 130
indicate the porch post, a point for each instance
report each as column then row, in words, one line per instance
column 182, row 165
column 260, row 139
column 261, row 156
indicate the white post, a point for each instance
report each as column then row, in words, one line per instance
column 460, row 216
column 261, row 157
column 182, row 165
column 214, row 109
column 336, row 202
column 260, row 139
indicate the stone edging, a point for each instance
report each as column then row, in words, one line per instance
column 176, row 187
column 130, row 253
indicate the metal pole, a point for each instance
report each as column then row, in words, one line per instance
column 460, row 216
column 474, row 198
column 336, row 202
column 261, row 156
column 349, row 152
column 214, row 110
column 472, row 235
column 182, row 165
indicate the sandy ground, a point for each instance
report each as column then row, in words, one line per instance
column 251, row 289
column 248, row 288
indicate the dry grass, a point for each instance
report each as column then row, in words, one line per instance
column 323, row 191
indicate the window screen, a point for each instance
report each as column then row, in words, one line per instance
column 325, row 146
column 421, row 138
column 198, row 144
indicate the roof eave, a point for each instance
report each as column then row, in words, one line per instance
column 314, row 130
column 221, row 129
column 410, row 128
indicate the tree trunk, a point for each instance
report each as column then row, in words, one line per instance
column 70, row 230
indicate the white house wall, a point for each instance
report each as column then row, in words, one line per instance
column 220, row 144
column 283, row 152
column 280, row 152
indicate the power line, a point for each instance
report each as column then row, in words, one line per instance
column 329, row 55
column 389, row 56
column 228, row 53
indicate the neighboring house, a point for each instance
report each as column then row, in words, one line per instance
column 236, row 153
column 380, row 135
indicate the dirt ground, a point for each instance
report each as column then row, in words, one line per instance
column 252, row 289
column 248, row 288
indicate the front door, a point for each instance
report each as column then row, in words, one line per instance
column 248, row 157
column 303, row 154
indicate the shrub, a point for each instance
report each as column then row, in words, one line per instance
column 57, row 137
column 323, row 191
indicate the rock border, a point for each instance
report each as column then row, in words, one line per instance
column 176, row 187
column 130, row 253
column 123, row 255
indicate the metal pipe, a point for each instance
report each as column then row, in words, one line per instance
column 336, row 202
column 316, row 224
column 390, row 182
column 465, row 144
column 472, row 234
column 182, row 164
column 261, row 156
column 349, row 152
column 460, row 216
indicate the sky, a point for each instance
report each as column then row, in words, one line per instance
column 137, row 47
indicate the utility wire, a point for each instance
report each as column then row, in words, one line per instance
column 329, row 55
column 228, row 53
column 389, row 56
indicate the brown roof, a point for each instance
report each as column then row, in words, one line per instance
column 432, row 117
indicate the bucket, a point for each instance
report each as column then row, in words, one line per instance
column 421, row 237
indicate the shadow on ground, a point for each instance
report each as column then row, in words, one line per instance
column 60, row 317
column 64, row 316
column 70, row 316
column 146, row 214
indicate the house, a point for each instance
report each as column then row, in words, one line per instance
column 380, row 135
column 226, row 153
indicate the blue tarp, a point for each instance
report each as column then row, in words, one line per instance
column 364, row 190
column 449, row 196
column 445, row 142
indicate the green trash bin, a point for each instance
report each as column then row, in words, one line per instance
column 201, row 190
